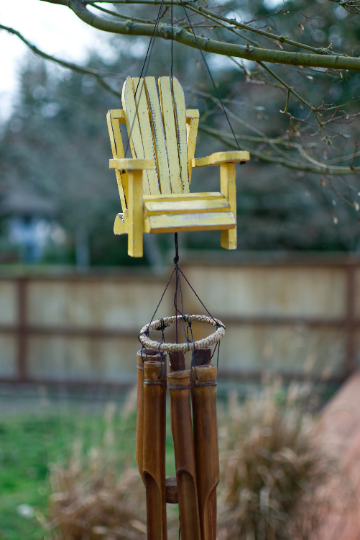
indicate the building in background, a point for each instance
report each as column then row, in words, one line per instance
column 29, row 225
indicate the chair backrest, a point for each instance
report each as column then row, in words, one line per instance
column 156, row 126
column 159, row 128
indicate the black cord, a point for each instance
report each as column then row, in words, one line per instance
column 172, row 41
column 146, row 61
column 210, row 75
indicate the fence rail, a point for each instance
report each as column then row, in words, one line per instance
column 299, row 318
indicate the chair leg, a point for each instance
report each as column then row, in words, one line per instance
column 229, row 239
column 181, row 425
column 206, row 447
column 228, row 189
column 135, row 213
column 154, row 448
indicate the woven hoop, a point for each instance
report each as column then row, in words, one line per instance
column 181, row 347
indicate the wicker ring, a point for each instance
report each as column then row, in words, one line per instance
column 181, row 347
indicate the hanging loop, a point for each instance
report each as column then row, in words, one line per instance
column 182, row 347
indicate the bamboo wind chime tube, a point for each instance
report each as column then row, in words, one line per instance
column 141, row 356
column 154, row 433
column 140, row 414
column 181, row 425
column 206, row 446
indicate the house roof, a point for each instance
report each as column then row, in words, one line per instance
column 22, row 203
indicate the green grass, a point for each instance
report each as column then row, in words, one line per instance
column 36, row 433
column 31, row 441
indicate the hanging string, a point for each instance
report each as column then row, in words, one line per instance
column 172, row 39
column 145, row 63
column 187, row 330
column 210, row 75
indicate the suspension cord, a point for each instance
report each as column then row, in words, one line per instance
column 210, row 75
column 145, row 68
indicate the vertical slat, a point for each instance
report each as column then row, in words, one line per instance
column 22, row 341
column 180, row 114
column 192, row 130
column 158, row 134
column 170, row 134
column 146, row 131
column 117, row 149
column 228, row 189
column 133, row 128
column 136, row 219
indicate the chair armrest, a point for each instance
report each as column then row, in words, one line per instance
column 221, row 157
column 132, row 164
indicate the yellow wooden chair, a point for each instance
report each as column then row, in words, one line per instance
column 154, row 185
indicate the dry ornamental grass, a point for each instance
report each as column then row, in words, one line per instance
column 275, row 478
column 275, row 473
column 94, row 497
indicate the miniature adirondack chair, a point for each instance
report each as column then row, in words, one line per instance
column 154, row 185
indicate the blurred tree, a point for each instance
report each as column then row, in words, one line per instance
column 292, row 101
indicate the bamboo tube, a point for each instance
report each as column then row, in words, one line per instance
column 206, row 446
column 202, row 356
column 154, row 448
column 177, row 361
column 181, row 426
column 141, row 356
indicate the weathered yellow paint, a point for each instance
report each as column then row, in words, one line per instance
column 184, row 196
column 190, row 222
column 132, row 164
column 118, row 114
column 120, row 224
column 186, row 207
column 135, row 225
column 146, row 131
column 192, row 113
column 167, row 108
column 221, row 157
column 228, row 188
column 158, row 134
column 133, row 127
column 192, row 124
column 180, row 117
column 117, row 149
column 154, row 184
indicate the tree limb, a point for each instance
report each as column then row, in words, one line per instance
column 209, row 45
column 317, row 167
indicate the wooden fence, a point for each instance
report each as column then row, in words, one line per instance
column 298, row 317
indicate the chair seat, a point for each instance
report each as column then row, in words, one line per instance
column 205, row 221
column 183, row 212
column 186, row 206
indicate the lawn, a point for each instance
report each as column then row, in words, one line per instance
column 38, row 434
column 38, row 430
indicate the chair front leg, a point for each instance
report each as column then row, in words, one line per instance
column 228, row 189
column 135, row 213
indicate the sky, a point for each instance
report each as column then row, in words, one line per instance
column 54, row 29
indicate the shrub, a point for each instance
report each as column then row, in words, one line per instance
column 275, row 473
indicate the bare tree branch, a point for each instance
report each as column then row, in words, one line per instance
column 165, row 31
column 317, row 167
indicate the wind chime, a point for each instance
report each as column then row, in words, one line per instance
column 154, row 189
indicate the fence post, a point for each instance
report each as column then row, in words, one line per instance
column 350, row 336
column 22, row 344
